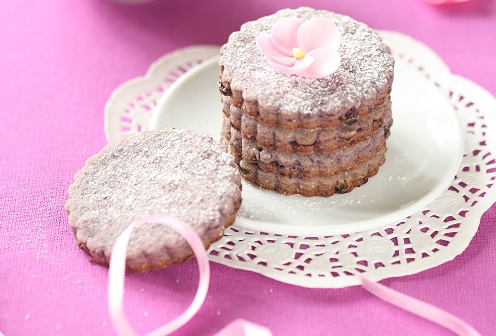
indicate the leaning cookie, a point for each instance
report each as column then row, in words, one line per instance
column 179, row 173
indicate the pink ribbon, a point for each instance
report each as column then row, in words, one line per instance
column 417, row 307
column 118, row 266
column 242, row 327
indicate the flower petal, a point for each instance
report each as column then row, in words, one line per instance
column 268, row 49
column 318, row 33
column 299, row 66
column 326, row 61
column 285, row 34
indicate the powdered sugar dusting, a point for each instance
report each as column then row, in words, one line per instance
column 365, row 73
column 181, row 173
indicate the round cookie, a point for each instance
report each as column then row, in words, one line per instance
column 179, row 173
column 339, row 183
column 352, row 130
column 309, row 165
column 362, row 81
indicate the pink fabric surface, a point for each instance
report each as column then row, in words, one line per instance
column 59, row 62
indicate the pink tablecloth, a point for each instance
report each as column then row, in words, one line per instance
column 59, row 62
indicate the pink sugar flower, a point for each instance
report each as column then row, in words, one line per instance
column 303, row 48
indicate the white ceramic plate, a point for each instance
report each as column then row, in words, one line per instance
column 424, row 153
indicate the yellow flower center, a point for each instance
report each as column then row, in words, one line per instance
column 298, row 53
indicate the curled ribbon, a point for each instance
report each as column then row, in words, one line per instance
column 242, row 327
column 117, row 269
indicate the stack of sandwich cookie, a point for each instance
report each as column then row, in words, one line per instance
column 298, row 132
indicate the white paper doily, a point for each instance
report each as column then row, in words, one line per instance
column 424, row 240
